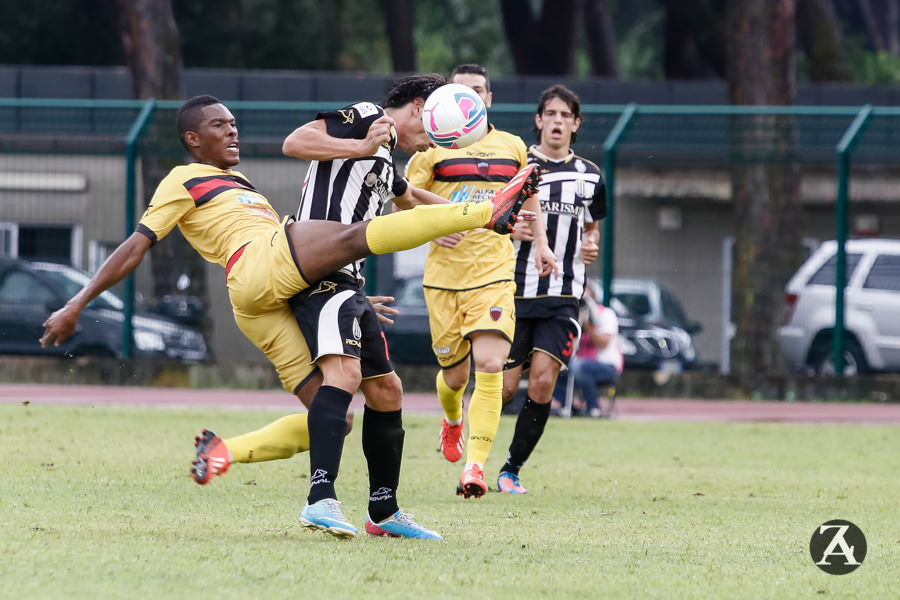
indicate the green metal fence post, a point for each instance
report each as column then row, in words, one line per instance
column 134, row 135
column 844, row 149
column 609, row 168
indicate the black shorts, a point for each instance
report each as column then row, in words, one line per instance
column 336, row 318
column 548, row 324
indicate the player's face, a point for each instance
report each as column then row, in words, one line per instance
column 411, row 136
column 216, row 140
column 556, row 124
column 477, row 83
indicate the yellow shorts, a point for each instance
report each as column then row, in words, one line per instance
column 259, row 284
column 455, row 315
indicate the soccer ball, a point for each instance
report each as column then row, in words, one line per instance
column 454, row 116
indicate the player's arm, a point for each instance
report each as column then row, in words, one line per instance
column 125, row 259
column 544, row 257
column 590, row 243
column 416, row 196
column 313, row 142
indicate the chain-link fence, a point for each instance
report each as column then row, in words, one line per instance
column 64, row 180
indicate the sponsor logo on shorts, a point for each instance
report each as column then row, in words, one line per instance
column 496, row 313
column 442, row 350
column 357, row 330
column 350, row 342
column 325, row 287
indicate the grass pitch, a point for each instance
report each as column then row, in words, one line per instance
column 98, row 503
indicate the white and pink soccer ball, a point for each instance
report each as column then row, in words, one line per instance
column 454, row 116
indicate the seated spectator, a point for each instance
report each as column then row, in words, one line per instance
column 598, row 361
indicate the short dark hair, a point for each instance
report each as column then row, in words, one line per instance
column 473, row 69
column 188, row 117
column 411, row 87
column 564, row 94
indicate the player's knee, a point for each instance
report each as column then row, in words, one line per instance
column 490, row 364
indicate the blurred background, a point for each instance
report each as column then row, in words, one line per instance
column 736, row 137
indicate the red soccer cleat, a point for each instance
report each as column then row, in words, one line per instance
column 472, row 484
column 213, row 457
column 508, row 201
column 452, row 444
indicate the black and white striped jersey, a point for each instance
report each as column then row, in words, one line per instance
column 350, row 190
column 571, row 193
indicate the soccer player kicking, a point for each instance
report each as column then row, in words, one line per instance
column 346, row 185
column 469, row 286
column 266, row 261
column 573, row 199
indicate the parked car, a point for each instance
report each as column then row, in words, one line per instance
column 654, row 330
column 30, row 291
column 871, row 307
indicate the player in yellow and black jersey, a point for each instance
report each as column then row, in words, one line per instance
column 469, row 286
column 266, row 262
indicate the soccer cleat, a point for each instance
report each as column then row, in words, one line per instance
column 452, row 444
column 400, row 524
column 326, row 515
column 508, row 483
column 472, row 484
column 508, row 201
column 212, row 457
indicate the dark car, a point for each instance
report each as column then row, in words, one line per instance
column 30, row 291
column 654, row 331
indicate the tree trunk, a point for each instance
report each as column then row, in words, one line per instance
column 153, row 49
column 545, row 46
column 601, row 38
column 819, row 34
column 400, row 17
column 871, row 21
column 766, row 196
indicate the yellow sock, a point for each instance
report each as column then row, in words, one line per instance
column 410, row 228
column 484, row 415
column 281, row 439
column 451, row 400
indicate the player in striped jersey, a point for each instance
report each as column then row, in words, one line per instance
column 266, row 262
column 573, row 199
column 469, row 293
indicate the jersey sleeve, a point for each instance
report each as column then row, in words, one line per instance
column 599, row 208
column 352, row 121
column 420, row 169
column 400, row 184
column 169, row 204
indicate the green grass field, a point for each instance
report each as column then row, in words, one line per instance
column 98, row 503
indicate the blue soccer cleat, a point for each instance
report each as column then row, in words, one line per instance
column 326, row 515
column 400, row 524
column 508, row 483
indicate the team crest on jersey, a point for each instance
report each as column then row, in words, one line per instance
column 371, row 178
column 325, row 287
column 484, row 169
column 580, row 166
column 496, row 313
column 348, row 116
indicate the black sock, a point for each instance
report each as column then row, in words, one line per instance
column 529, row 429
column 327, row 424
column 382, row 442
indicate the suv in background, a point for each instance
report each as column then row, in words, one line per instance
column 30, row 291
column 871, row 309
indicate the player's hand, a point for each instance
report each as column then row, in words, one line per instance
column 59, row 326
column 545, row 261
column 379, row 134
column 589, row 251
column 525, row 215
column 382, row 311
column 523, row 232
column 449, row 241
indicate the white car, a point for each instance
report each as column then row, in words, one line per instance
column 871, row 309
